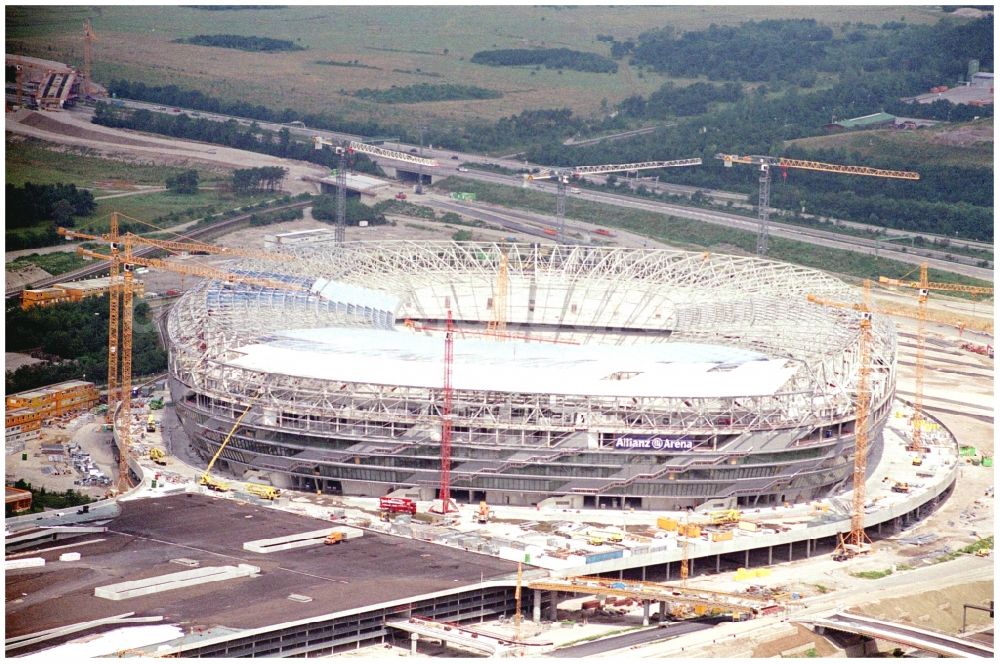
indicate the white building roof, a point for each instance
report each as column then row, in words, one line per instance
column 403, row 358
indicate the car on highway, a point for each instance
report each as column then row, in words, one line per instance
column 454, row 156
column 401, row 196
column 176, row 110
column 463, row 169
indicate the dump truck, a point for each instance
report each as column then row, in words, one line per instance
column 263, row 491
column 158, row 456
column 918, row 460
column 150, row 423
column 336, row 537
column 901, row 487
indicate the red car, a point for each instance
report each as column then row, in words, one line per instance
column 401, row 196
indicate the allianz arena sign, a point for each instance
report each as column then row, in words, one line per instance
column 653, row 443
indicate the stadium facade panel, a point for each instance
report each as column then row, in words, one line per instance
column 653, row 379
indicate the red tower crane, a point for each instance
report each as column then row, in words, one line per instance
column 449, row 359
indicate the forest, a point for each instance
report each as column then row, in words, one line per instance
column 59, row 203
column 77, row 334
column 242, row 43
column 424, row 92
column 230, row 133
column 264, row 178
column 325, row 209
column 550, row 58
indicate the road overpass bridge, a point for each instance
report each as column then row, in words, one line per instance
column 900, row 633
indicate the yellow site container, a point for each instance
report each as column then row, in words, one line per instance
column 722, row 537
column 691, row 531
column 748, row 526
column 666, row 523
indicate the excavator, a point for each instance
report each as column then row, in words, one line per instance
column 484, row 513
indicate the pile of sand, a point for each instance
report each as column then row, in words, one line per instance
column 24, row 275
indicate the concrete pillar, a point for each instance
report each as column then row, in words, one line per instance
column 621, row 574
column 717, row 562
column 644, row 573
column 746, row 564
column 808, row 548
column 663, row 612
column 790, row 551
column 645, row 613
column 536, row 609
column 553, row 602
column 880, row 528
column 691, row 568
column 770, row 554
column 413, row 644
column 668, row 572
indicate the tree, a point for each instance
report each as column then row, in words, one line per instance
column 184, row 183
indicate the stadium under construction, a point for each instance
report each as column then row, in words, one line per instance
column 584, row 376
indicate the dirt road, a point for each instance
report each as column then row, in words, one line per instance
column 68, row 128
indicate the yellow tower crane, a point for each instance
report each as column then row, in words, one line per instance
column 766, row 163
column 562, row 176
column 120, row 293
column 857, row 542
column 924, row 286
column 497, row 327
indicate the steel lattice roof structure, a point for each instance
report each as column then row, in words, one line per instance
column 647, row 342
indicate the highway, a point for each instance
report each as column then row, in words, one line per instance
column 942, row 644
column 447, row 165
column 650, row 635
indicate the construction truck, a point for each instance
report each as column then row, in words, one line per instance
column 918, row 460
column 158, row 456
column 150, row 423
column 484, row 513
column 336, row 537
column 263, row 491
column 213, row 484
column 901, row 487
column 388, row 505
column 606, row 536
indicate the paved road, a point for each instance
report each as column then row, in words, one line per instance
column 601, row 646
column 449, row 166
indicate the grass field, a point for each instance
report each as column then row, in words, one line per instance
column 135, row 42
column 54, row 263
column 969, row 144
column 696, row 235
column 31, row 160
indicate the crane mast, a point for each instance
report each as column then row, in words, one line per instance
column 857, row 542
column 449, row 358
column 923, row 287
column 497, row 327
column 765, row 163
column 120, row 297
column 89, row 37
column 562, row 177
column 343, row 152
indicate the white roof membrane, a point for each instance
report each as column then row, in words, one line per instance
column 403, row 358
